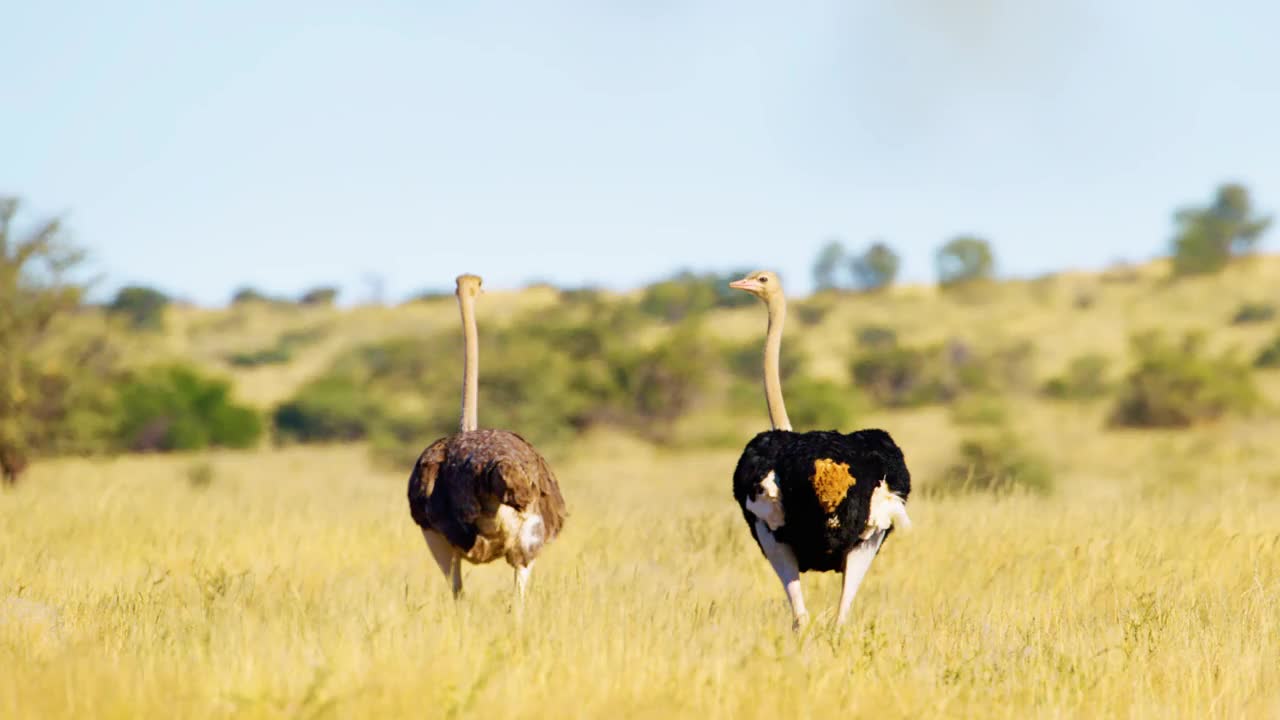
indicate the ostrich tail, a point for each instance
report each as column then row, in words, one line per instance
column 887, row 510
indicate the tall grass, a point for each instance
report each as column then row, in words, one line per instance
column 294, row 584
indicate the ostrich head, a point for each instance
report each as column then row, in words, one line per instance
column 764, row 284
column 469, row 286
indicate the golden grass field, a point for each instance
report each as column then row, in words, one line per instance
column 294, row 584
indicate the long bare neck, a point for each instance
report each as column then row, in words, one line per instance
column 470, row 362
column 772, row 376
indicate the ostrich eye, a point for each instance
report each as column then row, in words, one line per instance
column 764, row 279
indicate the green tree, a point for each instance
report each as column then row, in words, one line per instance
column 964, row 260
column 1208, row 237
column 827, row 264
column 875, row 269
column 142, row 306
column 34, row 292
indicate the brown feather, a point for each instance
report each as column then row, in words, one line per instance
column 460, row 482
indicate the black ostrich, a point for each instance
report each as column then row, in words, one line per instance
column 480, row 495
column 820, row 500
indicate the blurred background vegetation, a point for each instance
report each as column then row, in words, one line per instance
column 1170, row 344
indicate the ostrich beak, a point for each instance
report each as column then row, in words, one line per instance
column 745, row 284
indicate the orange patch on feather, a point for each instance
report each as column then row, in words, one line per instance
column 831, row 480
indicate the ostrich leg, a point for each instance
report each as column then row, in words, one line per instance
column 447, row 558
column 856, row 564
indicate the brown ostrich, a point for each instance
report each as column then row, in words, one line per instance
column 480, row 495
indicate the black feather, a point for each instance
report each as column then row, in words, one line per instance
column 820, row 540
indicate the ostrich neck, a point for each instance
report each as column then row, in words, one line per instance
column 772, row 376
column 471, row 363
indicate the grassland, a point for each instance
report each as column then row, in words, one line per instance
column 292, row 583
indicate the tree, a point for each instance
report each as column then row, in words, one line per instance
column 143, row 306
column 964, row 260
column 829, row 259
column 34, row 292
column 1209, row 236
column 875, row 269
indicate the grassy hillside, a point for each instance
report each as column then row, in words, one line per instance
column 292, row 583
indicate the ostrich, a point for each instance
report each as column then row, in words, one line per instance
column 818, row 500
column 480, row 495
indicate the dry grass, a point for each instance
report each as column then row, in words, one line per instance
column 292, row 583
column 295, row 585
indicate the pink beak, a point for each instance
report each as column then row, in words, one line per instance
column 743, row 284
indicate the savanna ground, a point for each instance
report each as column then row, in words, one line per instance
column 292, row 583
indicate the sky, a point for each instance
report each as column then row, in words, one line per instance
column 203, row 146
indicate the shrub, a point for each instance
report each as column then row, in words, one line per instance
column 278, row 354
column 319, row 296
column 429, row 295
column 812, row 311
column 1084, row 379
column 1269, row 356
column 996, row 462
column 897, row 376
column 397, row 442
column 267, row 356
column 252, row 295
column 687, row 294
column 746, row 362
column 814, row 404
column 877, row 336
column 143, row 307
column 979, row 410
column 175, row 408
column 1254, row 312
column 1179, row 384
column 901, row 377
column 200, row 475
column 663, row 383
column 329, row 409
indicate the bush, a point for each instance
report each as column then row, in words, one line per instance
column 979, row 410
column 252, row 295
column 877, row 336
column 319, row 296
column 901, row 377
column 1254, row 312
column 908, row 377
column 659, row 385
column 1269, row 356
column 996, row 462
column 200, row 475
column 1178, row 384
column 745, row 362
column 1084, row 379
column 329, row 409
column 687, row 294
column 175, row 408
column 814, row 404
column 810, row 312
column 278, row 354
column 143, row 307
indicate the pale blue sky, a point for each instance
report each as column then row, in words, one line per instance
column 202, row 146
